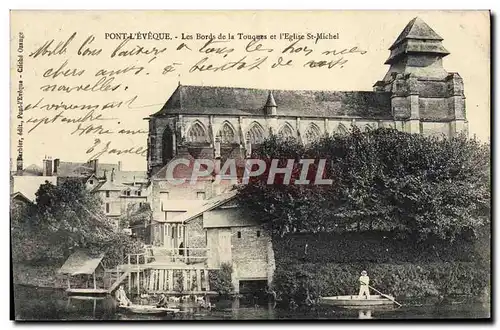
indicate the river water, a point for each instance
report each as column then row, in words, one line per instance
column 50, row 304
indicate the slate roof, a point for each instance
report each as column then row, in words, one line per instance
column 111, row 186
column 417, row 29
column 81, row 262
column 68, row 169
column 83, row 169
column 417, row 37
column 130, row 176
column 211, row 100
column 33, row 170
column 20, row 197
column 209, row 205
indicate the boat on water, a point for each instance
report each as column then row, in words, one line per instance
column 149, row 309
column 357, row 301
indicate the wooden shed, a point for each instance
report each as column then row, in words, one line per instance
column 79, row 264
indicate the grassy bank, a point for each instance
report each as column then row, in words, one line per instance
column 439, row 279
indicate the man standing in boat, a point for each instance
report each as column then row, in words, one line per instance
column 364, row 282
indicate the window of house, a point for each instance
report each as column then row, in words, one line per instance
column 138, row 193
column 239, row 234
column 258, row 233
column 107, row 193
column 91, row 181
column 200, row 195
column 107, row 207
column 128, row 193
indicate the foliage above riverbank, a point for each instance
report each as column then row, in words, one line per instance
column 378, row 247
column 443, row 279
column 383, row 180
column 65, row 217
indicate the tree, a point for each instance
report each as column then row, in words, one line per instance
column 138, row 218
column 382, row 179
column 66, row 217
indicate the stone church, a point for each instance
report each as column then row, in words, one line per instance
column 417, row 95
column 202, row 221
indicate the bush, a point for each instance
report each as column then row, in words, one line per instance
column 377, row 247
column 419, row 187
column 403, row 280
column 220, row 279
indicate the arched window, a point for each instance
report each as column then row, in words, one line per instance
column 286, row 131
column 167, row 145
column 256, row 133
column 197, row 133
column 370, row 127
column 312, row 134
column 227, row 134
column 341, row 129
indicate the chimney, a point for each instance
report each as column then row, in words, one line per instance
column 113, row 174
column 119, row 165
column 19, row 165
column 94, row 164
column 56, row 165
column 47, row 166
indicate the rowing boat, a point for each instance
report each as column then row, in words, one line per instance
column 149, row 309
column 355, row 300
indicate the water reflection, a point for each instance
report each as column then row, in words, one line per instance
column 365, row 314
column 47, row 304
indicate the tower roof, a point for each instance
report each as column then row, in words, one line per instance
column 417, row 38
column 416, row 29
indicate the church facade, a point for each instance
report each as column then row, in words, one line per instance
column 417, row 95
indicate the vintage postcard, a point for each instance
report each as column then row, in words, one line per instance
column 249, row 165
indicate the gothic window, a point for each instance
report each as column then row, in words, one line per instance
column 255, row 134
column 313, row 133
column 286, row 131
column 370, row 127
column 197, row 133
column 341, row 129
column 227, row 134
column 168, row 145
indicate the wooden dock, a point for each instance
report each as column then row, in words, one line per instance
column 150, row 273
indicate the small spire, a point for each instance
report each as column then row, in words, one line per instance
column 270, row 106
column 270, row 100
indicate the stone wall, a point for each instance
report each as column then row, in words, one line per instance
column 249, row 253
